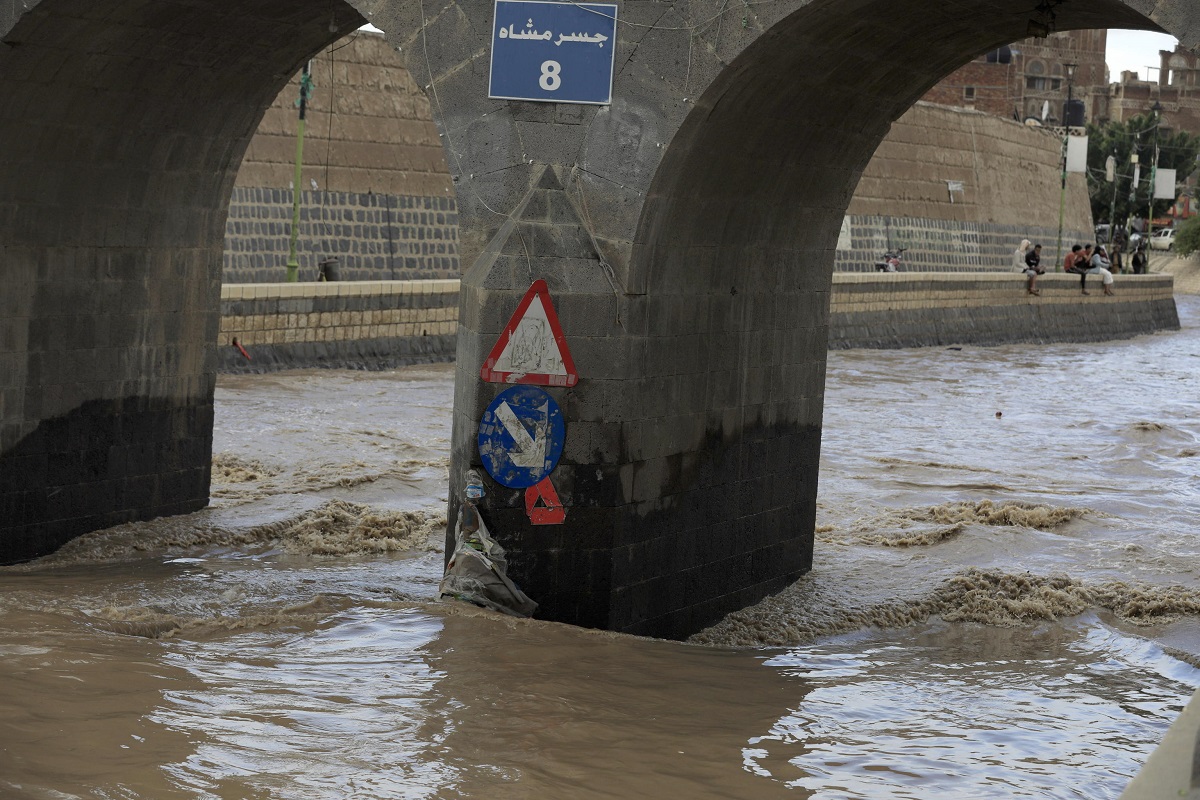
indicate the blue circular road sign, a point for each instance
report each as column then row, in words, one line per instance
column 521, row 436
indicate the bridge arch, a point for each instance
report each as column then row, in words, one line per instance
column 122, row 126
column 694, row 434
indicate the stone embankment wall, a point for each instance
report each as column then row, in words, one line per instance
column 383, row 201
column 921, row 310
column 385, row 206
column 960, row 189
column 359, row 325
column 380, row 324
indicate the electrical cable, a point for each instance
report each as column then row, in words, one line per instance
column 589, row 226
column 437, row 101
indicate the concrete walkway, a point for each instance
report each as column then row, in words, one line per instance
column 1186, row 271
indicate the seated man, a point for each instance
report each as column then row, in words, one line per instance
column 1033, row 268
column 1078, row 262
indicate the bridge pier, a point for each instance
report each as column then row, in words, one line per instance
column 123, row 125
column 690, row 485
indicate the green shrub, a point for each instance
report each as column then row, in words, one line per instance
column 1187, row 238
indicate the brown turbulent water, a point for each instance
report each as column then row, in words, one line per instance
column 1001, row 606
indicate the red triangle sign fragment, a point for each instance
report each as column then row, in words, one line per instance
column 532, row 348
column 551, row 512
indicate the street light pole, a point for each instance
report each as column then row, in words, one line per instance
column 293, row 264
column 1112, row 209
column 1157, row 109
column 1062, row 195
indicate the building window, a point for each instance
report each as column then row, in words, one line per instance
column 968, row 93
column 1035, row 79
column 1043, row 84
column 1177, row 66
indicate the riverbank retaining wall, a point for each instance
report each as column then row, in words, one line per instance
column 932, row 309
column 352, row 325
column 959, row 189
column 956, row 187
column 381, row 324
column 376, row 193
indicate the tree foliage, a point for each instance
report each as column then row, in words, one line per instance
column 1177, row 150
column 1187, row 238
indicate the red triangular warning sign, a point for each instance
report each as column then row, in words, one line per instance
column 532, row 348
column 551, row 512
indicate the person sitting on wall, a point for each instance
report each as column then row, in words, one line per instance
column 1100, row 265
column 1068, row 264
column 1018, row 256
column 1079, row 263
column 1033, row 268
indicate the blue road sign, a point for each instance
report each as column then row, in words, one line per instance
column 521, row 436
column 553, row 52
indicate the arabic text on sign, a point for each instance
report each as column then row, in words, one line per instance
column 531, row 33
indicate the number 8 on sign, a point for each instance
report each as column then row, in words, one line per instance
column 550, row 79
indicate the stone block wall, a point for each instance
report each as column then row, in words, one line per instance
column 960, row 189
column 373, row 324
column 965, row 166
column 373, row 236
column 379, row 324
column 925, row 310
column 383, row 324
column 375, row 189
column 385, row 205
column 935, row 245
column 368, row 128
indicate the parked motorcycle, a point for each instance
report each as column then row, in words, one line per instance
column 891, row 260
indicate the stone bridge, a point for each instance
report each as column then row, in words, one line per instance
column 686, row 233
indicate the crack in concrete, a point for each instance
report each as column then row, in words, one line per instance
column 466, row 62
column 633, row 189
column 637, row 45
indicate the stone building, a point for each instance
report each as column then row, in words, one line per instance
column 1022, row 80
column 1177, row 91
column 1028, row 79
column 1175, row 95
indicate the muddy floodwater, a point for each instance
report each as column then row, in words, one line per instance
column 1005, row 602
